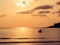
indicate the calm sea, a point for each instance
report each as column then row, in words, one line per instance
column 29, row 36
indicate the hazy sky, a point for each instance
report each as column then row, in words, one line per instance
column 22, row 13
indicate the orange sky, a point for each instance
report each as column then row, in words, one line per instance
column 12, row 19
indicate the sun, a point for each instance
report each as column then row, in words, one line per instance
column 22, row 3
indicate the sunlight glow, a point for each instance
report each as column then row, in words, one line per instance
column 21, row 28
column 22, row 3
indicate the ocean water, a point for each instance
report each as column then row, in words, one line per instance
column 29, row 36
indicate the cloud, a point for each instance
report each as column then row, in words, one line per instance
column 58, row 11
column 39, row 14
column 42, row 12
column 43, row 7
column 3, row 15
column 37, row 8
column 25, row 12
column 58, row 3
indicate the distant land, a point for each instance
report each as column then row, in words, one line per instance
column 56, row 25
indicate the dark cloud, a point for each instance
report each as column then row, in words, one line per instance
column 58, row 3
column 53, row 12
column 42, row 12
column 43, row 7
column 25, row 12
column 34, row 15
column 3, row 15
column 39, row 15
column 58, row 11
column 42, row 15
column 37, row 8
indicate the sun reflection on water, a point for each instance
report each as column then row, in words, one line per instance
column 22, row 32
column 22, row 29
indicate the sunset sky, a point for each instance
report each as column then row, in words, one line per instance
column 25, row 13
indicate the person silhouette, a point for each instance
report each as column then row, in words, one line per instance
column 40, row 31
